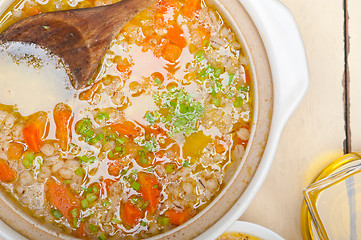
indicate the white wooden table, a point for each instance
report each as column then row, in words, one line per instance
column 315, row 134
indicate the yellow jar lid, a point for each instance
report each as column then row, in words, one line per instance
column 309, row 231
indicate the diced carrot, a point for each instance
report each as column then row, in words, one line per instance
column 172, row 52
column 157, row 78
column 35, row 130
column 15, row 151
column 124, row 66
column 248, row 75
column 114, row 167
column 32, row 136
column 89, row 93
column 177, row 217
column 167, row 11
column 150, row 189
column 191, row 7
column 131, row 215
column 61, row 197
column 7, row 174
column 124, row 69
column 63, row 118
column 127, row 128
column 106, row 183
column 175, row 36
column 203, row 34
column 81, row 231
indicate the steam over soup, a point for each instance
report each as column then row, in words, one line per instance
column 143, row 148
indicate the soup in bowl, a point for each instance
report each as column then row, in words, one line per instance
column 156, row 137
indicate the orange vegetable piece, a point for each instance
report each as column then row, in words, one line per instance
column 248, row 75
column 177, row 217
column 191, row 7
column 172, row 52
column 61, row 197
column 157, row 76
column 106, row 183
column 167, row 11
column 89, row 93
column 35, row 130
column 81, row 231
column 124, row 69
column 127, row 128
column 7, row 174
column 63, row 118
column 175, row 36
column 15, row 151
column 203, row 35
column 114, row 167
column 131, row 215
column 150, row 189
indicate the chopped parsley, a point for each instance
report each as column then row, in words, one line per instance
column 105, row 203
column 103, row 116
column 84, row 203
column 56, row 213
column 164, row 221
column 116, row 221
column 87, row 159
column 199, row 56
column 230, row 78
column 135, row 186
column 238, row 102
column 178, row 110
column 102, row 237
column 157, row 81
column 28, row 160
column 169, row 168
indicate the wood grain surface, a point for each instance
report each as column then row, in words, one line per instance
column 315, row 134
column 354, row 10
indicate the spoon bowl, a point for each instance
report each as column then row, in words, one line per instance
column 80, row 37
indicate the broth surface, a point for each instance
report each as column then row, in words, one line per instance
column 32, row 84
column 146, row 146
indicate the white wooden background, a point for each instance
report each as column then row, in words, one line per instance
column 314, row 135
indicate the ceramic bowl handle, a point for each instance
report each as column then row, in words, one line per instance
column 286, row 53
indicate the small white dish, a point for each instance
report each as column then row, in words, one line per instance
column 254, row 230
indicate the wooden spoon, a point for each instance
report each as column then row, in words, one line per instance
column 80, row 36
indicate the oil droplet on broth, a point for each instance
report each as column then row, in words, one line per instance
column 32, row 79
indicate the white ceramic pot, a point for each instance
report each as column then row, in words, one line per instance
column 274, row 47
